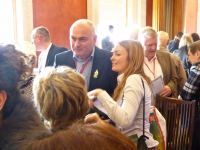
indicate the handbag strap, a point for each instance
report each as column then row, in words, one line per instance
column 144, row 137
column 143, row 105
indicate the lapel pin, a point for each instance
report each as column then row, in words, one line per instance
column 96, row 74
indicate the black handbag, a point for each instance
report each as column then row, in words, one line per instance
column 141, row 144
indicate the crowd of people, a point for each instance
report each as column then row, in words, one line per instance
column 56, row 109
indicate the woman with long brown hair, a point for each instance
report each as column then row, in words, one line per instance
column 85, row 137
column 125, row 108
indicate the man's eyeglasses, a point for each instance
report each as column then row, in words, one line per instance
column 36, row 37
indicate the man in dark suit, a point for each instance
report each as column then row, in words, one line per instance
column 41, row 40
column 174, row 44
column 93, row 63
column 107, row 42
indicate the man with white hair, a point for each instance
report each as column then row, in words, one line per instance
column 158, row 63
column 163, row 41
column 93, row 63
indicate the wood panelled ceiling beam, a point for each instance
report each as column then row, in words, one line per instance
column 177, row 23
column 158, row 15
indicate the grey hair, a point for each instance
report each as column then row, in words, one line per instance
column 148, row 32
column 185, row 40
column 83, row 21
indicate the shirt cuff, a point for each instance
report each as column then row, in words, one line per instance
column 103, row 97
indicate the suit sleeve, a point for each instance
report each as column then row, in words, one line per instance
column 55, row 61
column 173, row 82
column 106, row 45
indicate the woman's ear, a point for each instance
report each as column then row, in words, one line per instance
column 3, row 97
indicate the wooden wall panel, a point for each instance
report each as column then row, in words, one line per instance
column 149, row 12
column 158, row 15
column 58, row 16
column 191, row 16
column 177, row 24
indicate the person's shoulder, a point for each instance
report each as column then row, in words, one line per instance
column 159, row 52
column 101, row 51
column 195, row 68
column 176, row 51
column 65, row 53
column 171, row 42
column 106, row 38
column 175, row 57
column 134, row 78
column 59, row 48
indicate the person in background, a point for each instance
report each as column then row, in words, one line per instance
column 85, row 137
column 41, row 39
column 61, row 96
column 174, row 44
column 182, row 52
column 20, row 123
column 125, row 108
column 134, row 34
column 191, row 90
column 93, row 63
column 25, row 85
column 195, row 37
column 107, row 42
column 158, row 63
column 163, row 41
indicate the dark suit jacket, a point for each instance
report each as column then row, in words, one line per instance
column 173, row 44
column 51, row 55
column 106, row 80
column 106, row 44
column 182, row 53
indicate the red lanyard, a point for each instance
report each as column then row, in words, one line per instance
column 153, row 72
column 83, row 66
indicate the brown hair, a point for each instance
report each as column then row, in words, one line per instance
column 44, row 32
column 194, row 47
column 12, row 69
column 85, row 137
column 136, row 61
column 61, row 96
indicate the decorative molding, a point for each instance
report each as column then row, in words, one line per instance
column 24, row 19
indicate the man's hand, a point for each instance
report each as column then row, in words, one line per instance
column 166, row 91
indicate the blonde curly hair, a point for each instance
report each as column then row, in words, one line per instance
column 61, row 96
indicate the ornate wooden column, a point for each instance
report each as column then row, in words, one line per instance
column 177, row 24
column 158, row 15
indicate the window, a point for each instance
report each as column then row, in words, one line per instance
column 7, row 21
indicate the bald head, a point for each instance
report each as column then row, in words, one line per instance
column 134, row 34
column 82, row 38
column 84, row 23
column 163, row 39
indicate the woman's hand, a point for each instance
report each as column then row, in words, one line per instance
column 95, row 92
column 94, row 118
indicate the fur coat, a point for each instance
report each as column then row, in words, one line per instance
column 23, row 126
